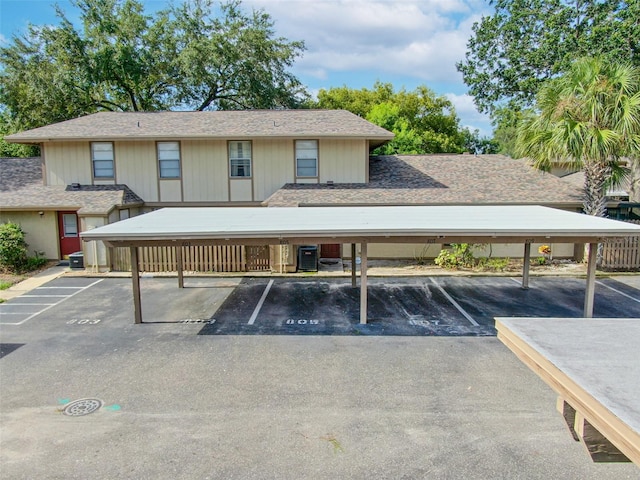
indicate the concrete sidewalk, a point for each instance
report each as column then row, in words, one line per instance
column 33, row 282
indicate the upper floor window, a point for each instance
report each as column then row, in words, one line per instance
column 240, row 158
column 102, row 159
column 306, row 158
column 169, row 159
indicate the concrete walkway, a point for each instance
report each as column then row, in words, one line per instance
column 33, row 282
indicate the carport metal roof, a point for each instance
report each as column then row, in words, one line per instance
column 388, row 224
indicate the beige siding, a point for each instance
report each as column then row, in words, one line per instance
column 95, row 252
column 68, row 162
column 204, row 171
column 272, row 166
column 343, row 161
column 41, row 232
column 136, row 168
column 170, row 191
column 240, row 190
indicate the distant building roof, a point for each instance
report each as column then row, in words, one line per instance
column 577, row 179
column 22, row 188
column 216, row 124
column 439, row 180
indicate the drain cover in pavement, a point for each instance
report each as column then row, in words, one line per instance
column 84, row 406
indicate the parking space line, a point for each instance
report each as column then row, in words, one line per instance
column 455, row 304
column 79, row 289
column 23, row 304
column 519, row 282
column 254, row 315
column 42, row 296
column 618, row 291
column 60, row 288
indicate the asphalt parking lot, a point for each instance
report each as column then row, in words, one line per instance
column 218, row 384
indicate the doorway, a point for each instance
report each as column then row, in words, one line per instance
column 69, row 237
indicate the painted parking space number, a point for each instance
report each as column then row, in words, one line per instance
column 302, row 321
column 83, row 321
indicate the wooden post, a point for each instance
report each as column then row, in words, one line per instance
column 180, row 271
column 363, row 282
column 525, row 265
column 353, row 265
column 591, row 280
column 135, row 279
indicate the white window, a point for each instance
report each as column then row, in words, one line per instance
column 240, row 159
column 70, row 224
column 102, row 159
column 306, row 158
column 169, row 159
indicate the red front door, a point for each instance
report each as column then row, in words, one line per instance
column 330, row 250
column 69, row 237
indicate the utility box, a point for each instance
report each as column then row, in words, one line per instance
column 308, row 259
column 76, row 261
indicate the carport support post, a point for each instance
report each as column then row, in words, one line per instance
column 525, row 265
column 135, row 279
column 179, row 262
column 353, row 265
column 591, row 280
column 363, row 282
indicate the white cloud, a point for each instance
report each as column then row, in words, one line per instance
column 417, row 38
column 355, row 42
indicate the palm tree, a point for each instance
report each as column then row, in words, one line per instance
column 589, row 117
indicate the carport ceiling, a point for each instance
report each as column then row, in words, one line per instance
column 389, row 224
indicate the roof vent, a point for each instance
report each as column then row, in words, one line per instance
column 75, row 186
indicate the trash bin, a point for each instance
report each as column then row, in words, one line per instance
column 308, row 259
column 76, row 261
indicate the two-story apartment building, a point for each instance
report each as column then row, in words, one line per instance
column 152, row 160
column 108, row 166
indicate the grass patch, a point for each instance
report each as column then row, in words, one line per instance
column 5, row 285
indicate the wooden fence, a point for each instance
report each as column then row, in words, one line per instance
column 222, row 258
column 621, row 254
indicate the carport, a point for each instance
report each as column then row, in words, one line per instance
column 361, row 225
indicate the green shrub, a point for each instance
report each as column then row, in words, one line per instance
column 35, row 262
column 13, row 248
column 460, row 255
column 494, row 264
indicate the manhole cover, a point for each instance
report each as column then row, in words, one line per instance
column 84, row 406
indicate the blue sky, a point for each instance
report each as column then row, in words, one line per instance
column 349, row 42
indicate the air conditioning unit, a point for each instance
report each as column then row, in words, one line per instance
column 308, row 259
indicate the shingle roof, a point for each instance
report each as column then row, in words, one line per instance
column 216, row 124
column 439, row 180
column 620, row 190
column 21, row 188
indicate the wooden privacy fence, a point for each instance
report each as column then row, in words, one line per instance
column 221, row 258
column 622, row 254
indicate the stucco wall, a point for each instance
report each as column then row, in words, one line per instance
column 422, row 251
column 41, row 232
